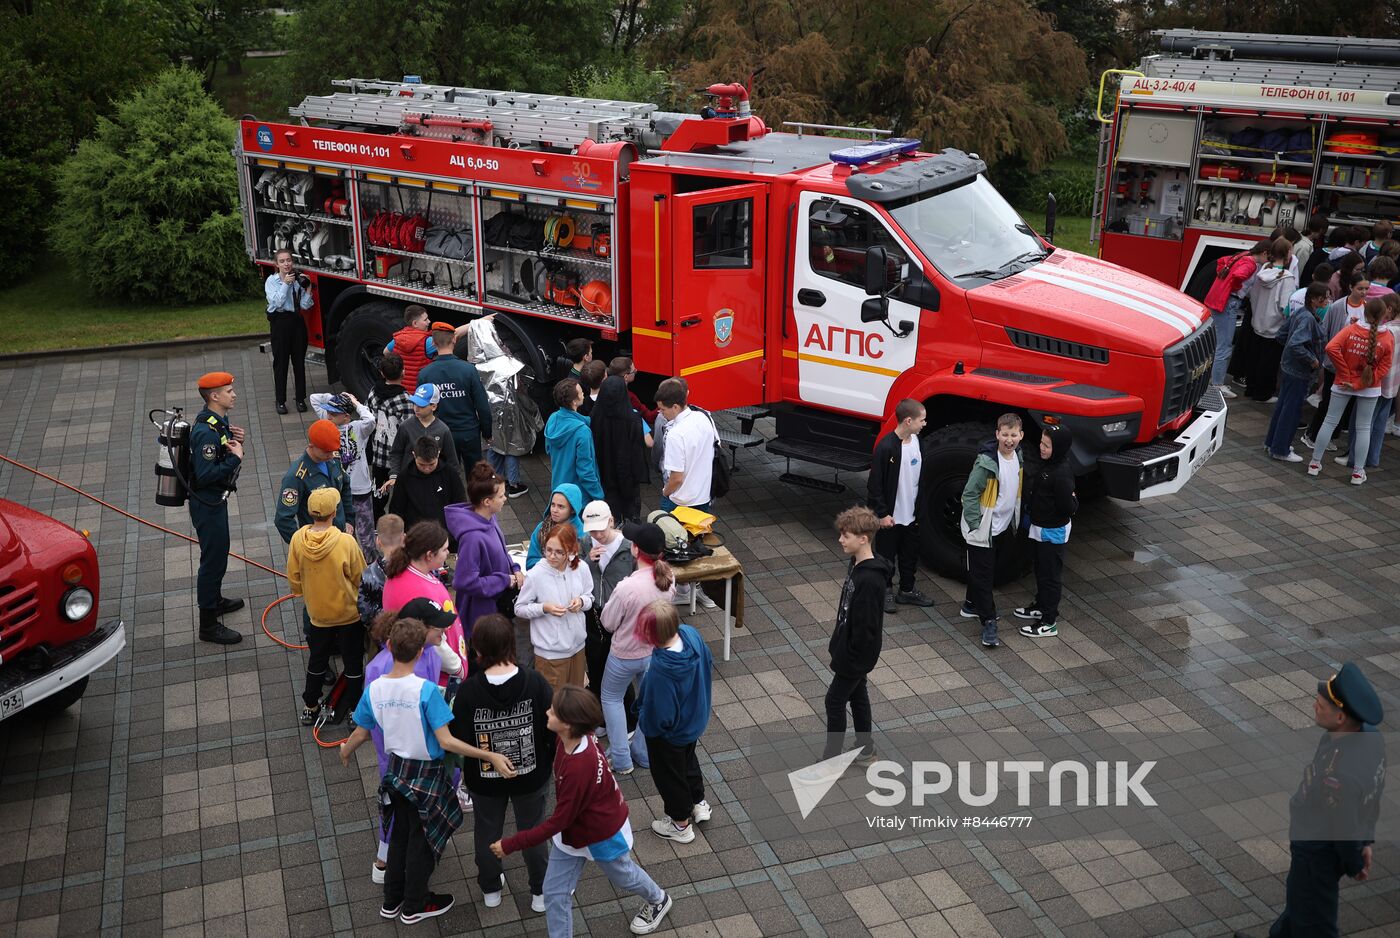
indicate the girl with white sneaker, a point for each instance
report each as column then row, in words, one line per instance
column 1361, row 354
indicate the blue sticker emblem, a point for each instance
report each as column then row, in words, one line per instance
column 265, row 138
column 724, row 327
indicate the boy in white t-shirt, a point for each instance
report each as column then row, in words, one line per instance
column 893, row 494
column 417, row 802
column 991, row 516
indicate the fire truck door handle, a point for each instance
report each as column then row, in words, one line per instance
column 811, row 297
column 689, row 321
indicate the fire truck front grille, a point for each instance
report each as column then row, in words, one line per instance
column 1053, row 346
column 19, row 606
column 1187, row 372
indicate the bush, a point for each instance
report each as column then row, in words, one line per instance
column 148, row 206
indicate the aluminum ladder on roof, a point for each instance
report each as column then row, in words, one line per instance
column 517, row 118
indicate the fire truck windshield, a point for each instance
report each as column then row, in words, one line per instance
column 969, row 232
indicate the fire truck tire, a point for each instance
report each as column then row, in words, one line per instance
column 57, row 703
column 949, row 453
column 361, row 342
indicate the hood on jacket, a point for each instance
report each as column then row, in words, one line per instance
column 875, row 566
column 1270, row 274
column 461, row 518
column 575, row 497
column 385, row 391
column 612, row 399
column 318, row 544
column 1061, row 440
column 990, row 448
column 679, row 665
column 564, row 423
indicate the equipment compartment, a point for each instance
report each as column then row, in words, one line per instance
column 549, row 254
column 417, row 234
column 303, row 209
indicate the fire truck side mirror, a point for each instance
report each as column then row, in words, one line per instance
column 877, row 277
column 875, row 309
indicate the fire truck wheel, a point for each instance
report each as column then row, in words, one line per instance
column 949, row 453
column 57, row 703
column 361, row 342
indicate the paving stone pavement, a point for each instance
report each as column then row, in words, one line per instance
column 182, row 797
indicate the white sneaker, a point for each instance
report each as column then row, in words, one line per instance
column 536, row 903
column 1314, row 468
column 682, row 597
column 1290, row 457
column 665, row 827
column 701, row 811
column 1315, row 400
column 464, row 798
column 1226, row 393
column 704, row 602
column 1272, row 400
column 1342, row 460
column 493, row 899
column 1358, row 477
column 376, row 873
column 1393, row 429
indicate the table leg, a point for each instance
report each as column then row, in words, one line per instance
column 728, row 613
column 694, row 589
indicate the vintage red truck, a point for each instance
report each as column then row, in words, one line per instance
column 51, row 638
column 813, row 278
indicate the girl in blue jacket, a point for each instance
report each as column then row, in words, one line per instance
column 674, row 711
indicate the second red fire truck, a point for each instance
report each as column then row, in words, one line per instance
column 814, row 278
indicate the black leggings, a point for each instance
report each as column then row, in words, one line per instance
column 288, row 345
column 349, row 641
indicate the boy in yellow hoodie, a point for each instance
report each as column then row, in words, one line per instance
column 324, row 566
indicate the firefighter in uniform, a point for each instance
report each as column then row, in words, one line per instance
column 1332, row 815
column 216, row 456
column 316, row 468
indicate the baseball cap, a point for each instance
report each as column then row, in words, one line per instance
column 596, row 515
column 337, row 404
column 323, row 502
column 324, row 434
column 428, row 612
column 425, row 395
column 647, row 537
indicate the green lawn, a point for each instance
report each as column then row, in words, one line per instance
column 50, row 310
column 1071, row 231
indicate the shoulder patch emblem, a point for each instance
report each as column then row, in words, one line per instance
column 290, row 497
column 209, row 451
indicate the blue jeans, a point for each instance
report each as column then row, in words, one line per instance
column 667, row 505
column 1224, row 338
column 504, row 465
column 1385, row 406
column 1361, row 440
column 562, row 876
column 1289, row 407
column 618, row 673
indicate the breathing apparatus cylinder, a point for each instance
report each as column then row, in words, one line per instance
column 172, row 457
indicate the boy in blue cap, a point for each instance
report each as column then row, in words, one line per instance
column 1332, row 816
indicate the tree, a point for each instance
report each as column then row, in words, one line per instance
column 1092, row 23
column 1378, row 20
column 210, row 32
column 984, row 75
column 148, row 206
column 62, row 62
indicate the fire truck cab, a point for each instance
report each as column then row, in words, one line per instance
column 817, row 279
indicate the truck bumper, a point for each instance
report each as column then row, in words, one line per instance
column 1164, row 466
column 21, row 687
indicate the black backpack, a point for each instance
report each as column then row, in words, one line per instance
column 721, row 477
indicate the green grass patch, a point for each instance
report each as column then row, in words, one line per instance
column 1071, row 231
column 51, row 310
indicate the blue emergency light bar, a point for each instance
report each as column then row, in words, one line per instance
column 870, row 152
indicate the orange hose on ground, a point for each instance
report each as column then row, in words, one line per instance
column 315, row 732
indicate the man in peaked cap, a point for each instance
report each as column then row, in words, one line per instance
column 216, row 456
column 1332, row 816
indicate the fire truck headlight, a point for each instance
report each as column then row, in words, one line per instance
column 1117, row 426
column 77, row 603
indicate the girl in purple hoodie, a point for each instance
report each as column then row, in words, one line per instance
column 484, row 569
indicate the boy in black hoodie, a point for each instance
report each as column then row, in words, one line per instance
column 893, row 494
column 502, row 708
column 855, row 644
column 1052, row 503
column 426, row 486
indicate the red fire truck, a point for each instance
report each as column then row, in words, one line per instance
column 50, row 635
column 816, row 279
column 1222, row 137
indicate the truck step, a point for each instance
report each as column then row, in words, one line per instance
column 747, row 415
column 840, row 460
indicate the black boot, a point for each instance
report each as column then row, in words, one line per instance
column 226, row 605
column 212, row 630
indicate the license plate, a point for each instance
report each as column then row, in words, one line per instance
column 11, row 704
column 1200, row 460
